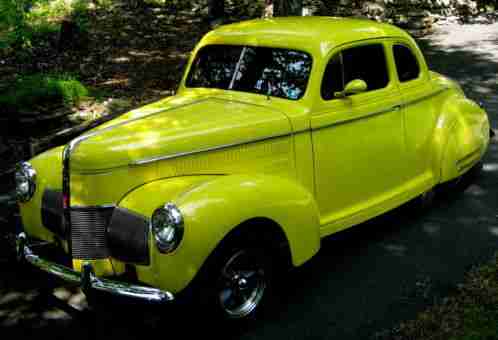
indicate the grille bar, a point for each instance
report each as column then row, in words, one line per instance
column 88, row 232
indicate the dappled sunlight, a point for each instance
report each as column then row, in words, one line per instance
column 395, row 249
column 494, row 231
column 431, row 228
column 115, row 82
column 490, row 167
column 20, row 308
column 120, row 60
column 475, row 190
column 470, row 56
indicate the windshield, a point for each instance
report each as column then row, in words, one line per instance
column 271, row 71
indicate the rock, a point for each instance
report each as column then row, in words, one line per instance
column 372, row 9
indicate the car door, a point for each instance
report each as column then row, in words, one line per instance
column 418, row 110
column 358, row 141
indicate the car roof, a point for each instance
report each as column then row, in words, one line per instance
column 313, row 33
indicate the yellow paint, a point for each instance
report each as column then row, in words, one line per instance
column 312, row 166
column 102, row 267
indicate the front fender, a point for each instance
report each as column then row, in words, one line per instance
column 213, row 206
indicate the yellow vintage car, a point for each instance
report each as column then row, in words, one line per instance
column 282, row 131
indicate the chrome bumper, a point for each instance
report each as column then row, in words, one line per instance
column 87, row 279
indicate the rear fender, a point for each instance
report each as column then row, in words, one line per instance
column 462, row 136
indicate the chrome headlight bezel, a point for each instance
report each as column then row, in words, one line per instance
column 167, row 227
column 25, row 178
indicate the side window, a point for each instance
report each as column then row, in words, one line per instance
column 406, row 63
column 332, row 78
column 367, row 63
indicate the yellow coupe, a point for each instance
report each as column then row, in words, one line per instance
column 282, row 131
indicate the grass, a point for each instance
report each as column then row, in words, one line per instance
column 30, row 91
column 471, row 314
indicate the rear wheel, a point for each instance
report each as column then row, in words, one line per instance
column 463, row 181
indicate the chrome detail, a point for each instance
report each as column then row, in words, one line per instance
column 25, row 178
column 213, row 148
column 468, row 156
column 427, row 96
column 89, row 233
column 95, row 207
column 390, row 109
column 167, row 227
column 367, row 115
column 21, row 240
column 71, row 146
column 242, row 285
column 87, row 278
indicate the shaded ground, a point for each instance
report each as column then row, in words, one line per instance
column 362, row 282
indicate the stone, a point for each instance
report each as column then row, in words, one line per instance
column 373, row 9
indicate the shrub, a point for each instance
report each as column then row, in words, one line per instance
column 38, row 89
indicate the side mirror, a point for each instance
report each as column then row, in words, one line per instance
column 353, row 87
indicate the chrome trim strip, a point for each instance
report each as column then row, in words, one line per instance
column 469, row 155
column 75, row 142
column 96, row 207
column 213, row 148
column 69, row 150
column 87, row 278
column 365, row 116
column 396, row 107
column 427, row 96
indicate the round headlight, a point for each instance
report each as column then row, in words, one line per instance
column 25, row 182
column 167, row 227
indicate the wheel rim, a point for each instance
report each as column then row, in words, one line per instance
column 242, row 284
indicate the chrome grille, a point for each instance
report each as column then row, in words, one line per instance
column 88, row 232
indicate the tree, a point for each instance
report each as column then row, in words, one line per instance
column 282, row 8
column 216, row 10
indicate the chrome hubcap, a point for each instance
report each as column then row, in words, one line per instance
column 242, row 284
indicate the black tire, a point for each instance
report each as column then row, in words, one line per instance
column 236, row 283
column 461, row 183
column 426, row 200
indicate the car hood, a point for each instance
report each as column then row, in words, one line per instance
column 173, row 128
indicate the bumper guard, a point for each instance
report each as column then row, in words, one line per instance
column 87, row 279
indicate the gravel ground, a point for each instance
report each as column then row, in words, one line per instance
column 362, row 282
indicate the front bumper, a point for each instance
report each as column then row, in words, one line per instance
column 87, row 279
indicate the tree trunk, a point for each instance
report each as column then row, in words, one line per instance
column 283, row 8
column 216, row 9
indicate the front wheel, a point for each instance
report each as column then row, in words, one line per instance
column 236, row 283
column 242, row 282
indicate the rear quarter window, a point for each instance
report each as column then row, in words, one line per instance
column 406, row 63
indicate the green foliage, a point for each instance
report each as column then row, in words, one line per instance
column 38, row 89
column 12, row 21
column 22, row 21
